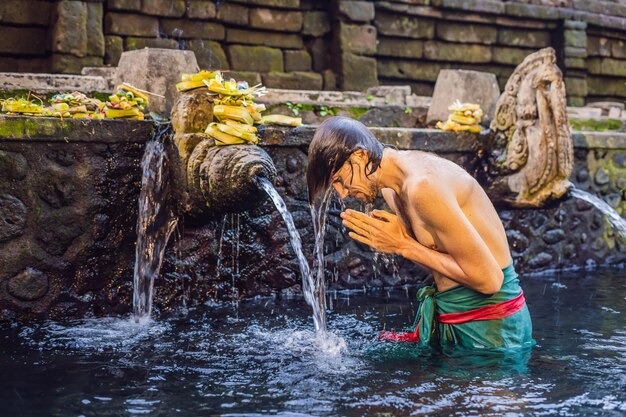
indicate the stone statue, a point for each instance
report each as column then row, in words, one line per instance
column 211, row 180
column 533, row 154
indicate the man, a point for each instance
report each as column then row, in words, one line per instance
column 443, row 220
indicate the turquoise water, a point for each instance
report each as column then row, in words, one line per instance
column 263, row 358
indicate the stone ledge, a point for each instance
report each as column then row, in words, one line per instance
column 52, row 129
column 45, row 83
column 599, row 140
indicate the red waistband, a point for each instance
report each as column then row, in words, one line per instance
column 490, row 312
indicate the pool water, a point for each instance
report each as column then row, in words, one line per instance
column 262, row 358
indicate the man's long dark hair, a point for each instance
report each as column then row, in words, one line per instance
column 334, row 141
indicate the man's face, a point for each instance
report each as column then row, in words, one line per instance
column 351, row 180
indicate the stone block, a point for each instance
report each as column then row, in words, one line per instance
column 70, row 30
column 131, row 25
column 400, row 47
column 277, row 4
column 578, row 63
column 209, row 54
column 618, row 49
column 320, row 54
column 131, row 43
column 190, row 29
column 113, row 48
column 278, row 40
column 357, row 11
column 330, row 80
column 532, row 11
column 575, row 101
column 315, row 23
column 576, row 86
column 25, row 12
column 297, row 60
column 405, row 26
column 509, row 56
column 466, row 33
column 166, row 8
column 158, row 71
column 410, row 70
column 70, row 64
column 572, row 51
column 284, row 21
column 598, row 46
column 607, row 87
column 357, row 73
column 488, row 6
column 252, row 78
column 95, row 33
column 439, row 51
column 360, row 39
column 126, row 5
column 529, row 38
column 293, row 80
column 201, row 9
column 233, row 13
column 29, row 285
column 22, row 41
column 575, row 24
column 576, row 38
column 255, row 58
column 467, row 87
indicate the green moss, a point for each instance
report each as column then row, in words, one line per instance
column 595, row 124
column 357, row 112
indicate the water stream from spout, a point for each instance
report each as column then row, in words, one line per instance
column 617, row 222
column 155, row 225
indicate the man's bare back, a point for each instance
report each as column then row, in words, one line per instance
column 470, row 197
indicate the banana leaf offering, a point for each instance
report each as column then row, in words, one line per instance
column 127, row 103
column 464, row 117
column 76, row 105
column 22, row 106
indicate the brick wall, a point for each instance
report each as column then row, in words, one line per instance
column 328, row 44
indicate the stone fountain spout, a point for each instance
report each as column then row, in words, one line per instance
column 213, row 180
column 533, row 155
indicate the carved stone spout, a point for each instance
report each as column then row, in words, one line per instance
column 210, row 179
column 533, row 154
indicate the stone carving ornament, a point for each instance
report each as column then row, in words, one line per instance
column 533, row 156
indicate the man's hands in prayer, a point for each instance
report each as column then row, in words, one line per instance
column 382, row 231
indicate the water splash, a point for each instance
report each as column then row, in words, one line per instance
column 155, row 224
column 616, row 221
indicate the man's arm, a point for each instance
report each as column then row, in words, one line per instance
column 467, row 260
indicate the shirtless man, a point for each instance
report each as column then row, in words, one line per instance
column 443, row 220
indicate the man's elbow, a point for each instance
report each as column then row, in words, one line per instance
column 492, row 285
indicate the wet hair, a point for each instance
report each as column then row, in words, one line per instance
column 335, row 140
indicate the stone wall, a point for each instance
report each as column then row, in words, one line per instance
column 328, row 44
column 68, row 212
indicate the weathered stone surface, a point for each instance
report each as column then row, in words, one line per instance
column 573, row 51
column 357, row 11
column 553, row 236
column 201, row 9
column 189, row 29
column 255, row 58
column 578, row 63
column 45, row 83
column 276, row 20
column 618, row 49
column 70, row 64
column 360, row 39
column 233, row 13
column 601, row 177
column 70, row 30
column 509, row 56
column 467, row 87
column 296, row 80
column 423, row 71
column 357, row 72
column 131, row 25
column 278, row 4
column 467, row 33
column 404, row 26
column 315, row 23
column 95, row 33
column 12, row 217
column 22, row 41
column 278, row 40
column 598, row 46
column 540, row 260
column 576, row 38
column 113, row 46
column 529, row 38
column 399, row 47
column 251, row 77
column 320, row 55
column 25, row 12
column 297, row 60
column 158, row 71
column 29, row 285
column 127, row 5
column 31, row 64
column 611, row 87
column 576, row 86
column 534, row 156
column 606, row 66
column 439, row 51
column 330, row 80
column 209, row 54
column 131, row 43
column 13, row 165
column 168, row 8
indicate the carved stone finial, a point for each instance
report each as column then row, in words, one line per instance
column 533, row 156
